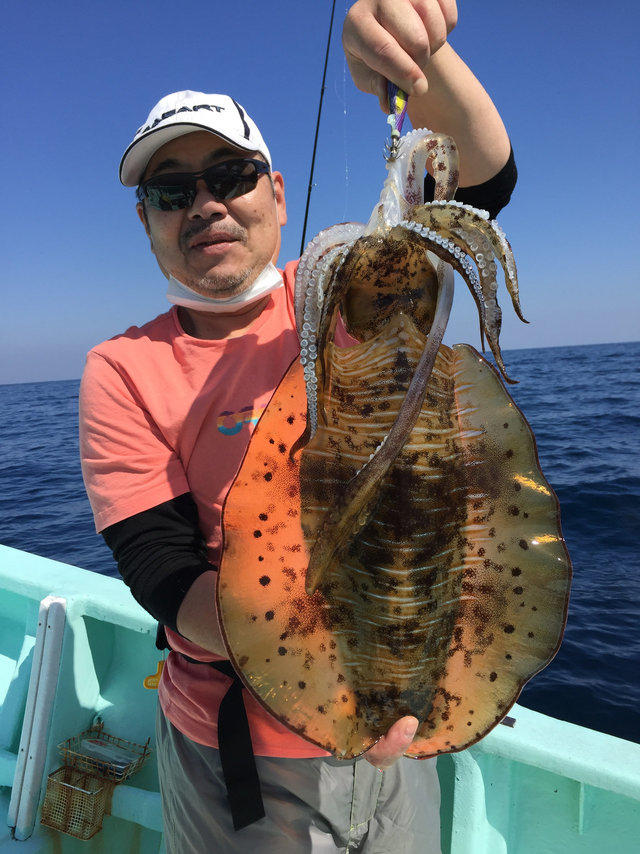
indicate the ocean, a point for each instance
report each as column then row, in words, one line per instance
column 583, row 404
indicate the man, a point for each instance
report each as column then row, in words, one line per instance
column 166, row 414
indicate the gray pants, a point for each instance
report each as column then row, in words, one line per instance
column 313, row 806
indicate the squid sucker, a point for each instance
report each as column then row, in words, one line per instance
column 391, row 546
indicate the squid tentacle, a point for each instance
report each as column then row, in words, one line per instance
column 479, row 248
column 313, row 259
column 314, row 280
column 477, row 237
column 474, row 221
column 313, row 338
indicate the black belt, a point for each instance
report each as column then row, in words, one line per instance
column 236, row 750
column 236, row 753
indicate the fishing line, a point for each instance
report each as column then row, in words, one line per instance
column 315, row 141
column 344, row 138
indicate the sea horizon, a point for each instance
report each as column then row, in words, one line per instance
column 486, row 353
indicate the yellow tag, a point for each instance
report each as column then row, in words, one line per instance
column 152, row 681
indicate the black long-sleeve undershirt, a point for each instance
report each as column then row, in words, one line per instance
column 160, row 552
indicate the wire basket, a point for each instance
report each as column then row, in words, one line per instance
column 103, row 755
column 75, row 802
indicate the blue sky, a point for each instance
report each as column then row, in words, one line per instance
column 79, row 78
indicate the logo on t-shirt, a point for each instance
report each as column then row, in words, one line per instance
column 230, row 423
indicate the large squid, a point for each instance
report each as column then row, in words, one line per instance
column 391, row 546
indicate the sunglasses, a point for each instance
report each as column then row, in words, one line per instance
column 177, row 190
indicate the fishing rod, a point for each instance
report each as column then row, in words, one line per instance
column 315, row 141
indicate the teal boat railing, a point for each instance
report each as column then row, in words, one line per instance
column 541, row 786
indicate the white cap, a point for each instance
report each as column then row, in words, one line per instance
column 186, row 112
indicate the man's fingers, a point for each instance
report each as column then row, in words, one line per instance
column 393, row 40
column 394, row 744
column 374, row 55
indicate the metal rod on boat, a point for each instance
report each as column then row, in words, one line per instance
column 34, row 742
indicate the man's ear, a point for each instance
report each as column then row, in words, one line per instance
column 278, row 191
column 142, row 215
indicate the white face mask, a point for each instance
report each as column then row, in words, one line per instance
column 269, row 280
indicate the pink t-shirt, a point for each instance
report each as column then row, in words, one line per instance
column 162, row 414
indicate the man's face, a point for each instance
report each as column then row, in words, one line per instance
column 216, row 248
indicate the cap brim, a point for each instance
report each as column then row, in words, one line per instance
column 139, row 153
